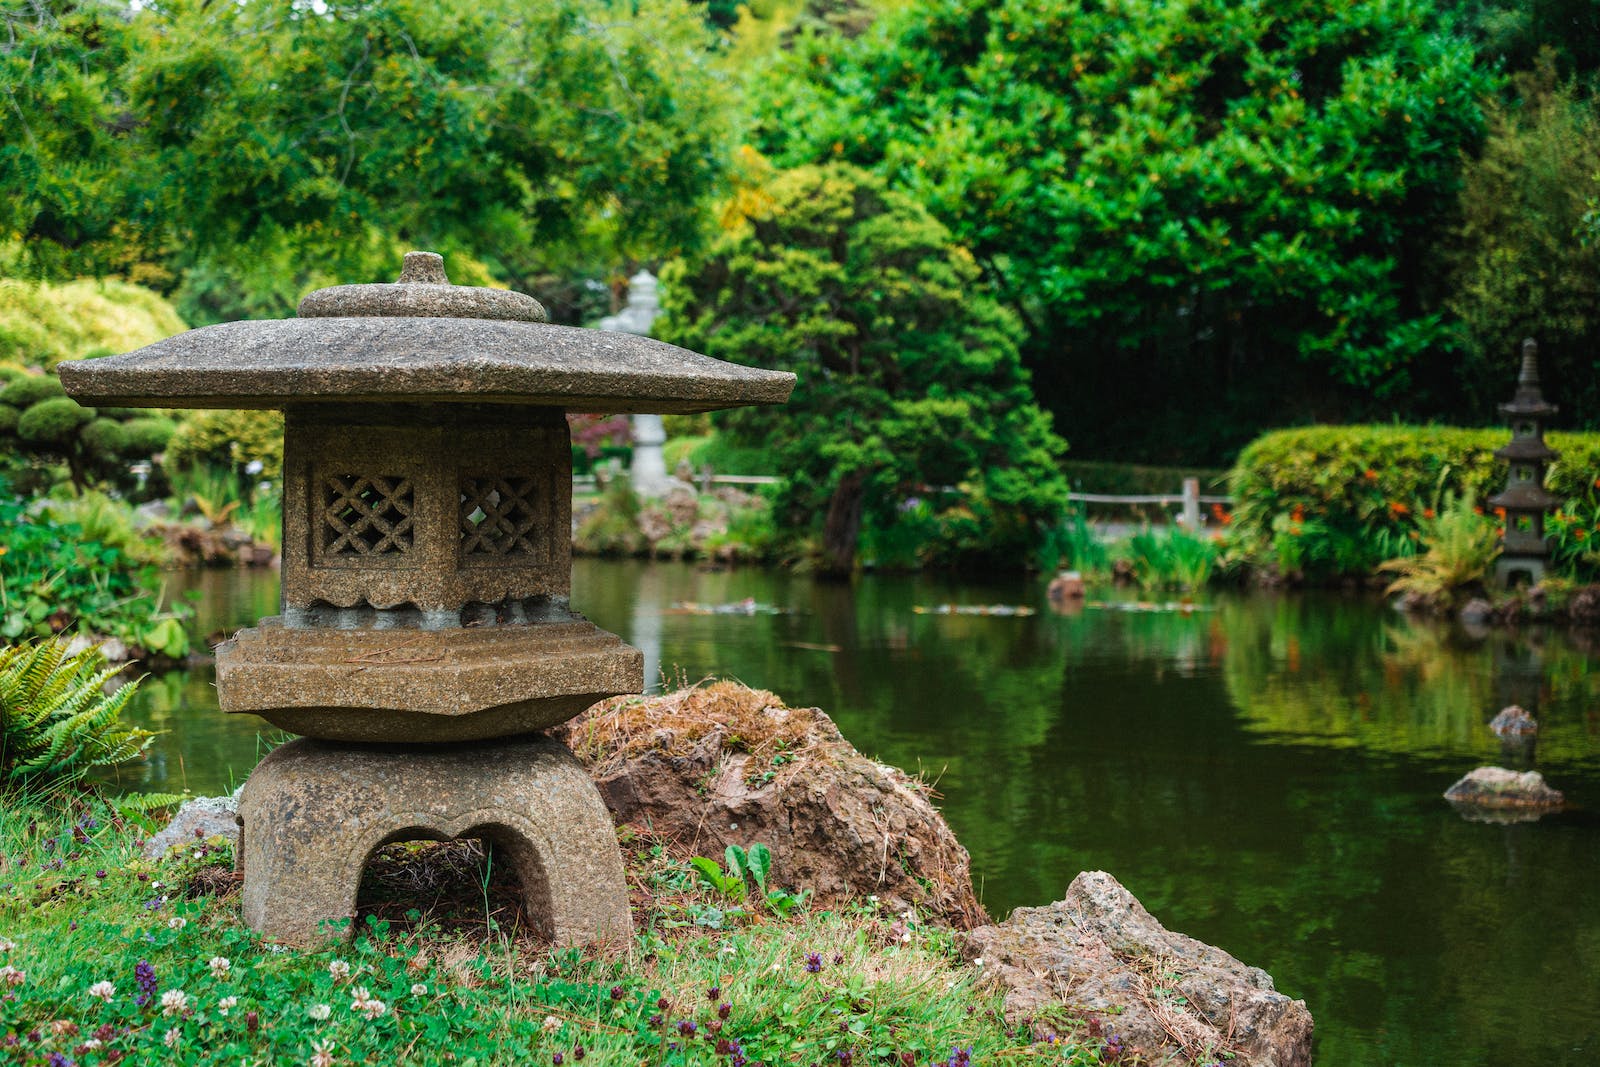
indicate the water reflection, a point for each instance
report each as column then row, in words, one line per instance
column 1264, row 775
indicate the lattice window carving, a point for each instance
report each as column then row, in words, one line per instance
column 500, row 517
column 366, row 515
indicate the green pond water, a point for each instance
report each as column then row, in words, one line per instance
column 1264, row 775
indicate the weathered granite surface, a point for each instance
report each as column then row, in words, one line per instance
column 199, row 819
column 274, row 363
column 1513, row 722
column 697, row 767
column 313, row 814
column 435, row 506
column 419, row 685
column 1497, row 787
column 422, row 289
column 1154, row 995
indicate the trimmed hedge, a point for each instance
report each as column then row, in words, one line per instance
column 1370, row 483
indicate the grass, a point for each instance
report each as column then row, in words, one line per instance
column 459, row 981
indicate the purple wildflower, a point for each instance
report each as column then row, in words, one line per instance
column 813, row 962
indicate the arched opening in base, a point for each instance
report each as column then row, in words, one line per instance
column 469, row 884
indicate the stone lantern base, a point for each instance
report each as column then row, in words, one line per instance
column 314, row 812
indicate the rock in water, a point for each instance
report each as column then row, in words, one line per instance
column 1159, row 996
column 199, row 819
column 722, row 764
column 1496, row 787
column 1513, row 722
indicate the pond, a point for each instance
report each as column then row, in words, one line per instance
column 1264, row 774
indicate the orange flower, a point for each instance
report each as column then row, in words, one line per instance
column 1399, row 508
column 1299, row 513
column 1371, row 475
column 1427, row 513
column 1499, row 513
column 1579, row 534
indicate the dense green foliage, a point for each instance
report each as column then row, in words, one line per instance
column 54, row 577
column 241, row 441
column 38, row 420
column 1195, row 206
column 57, row 723
column 151, row 961
column 1332, row 500
column 1527, row 257
column 252, row 150
column 912, row 408
column 40, row 325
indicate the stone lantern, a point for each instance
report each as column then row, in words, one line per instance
column 649, row 471
column 425, row 637
column 1524, row 549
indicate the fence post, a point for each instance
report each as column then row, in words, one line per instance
column 1191, row 504
column 705, row 478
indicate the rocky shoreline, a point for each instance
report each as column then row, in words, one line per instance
column 721, row 764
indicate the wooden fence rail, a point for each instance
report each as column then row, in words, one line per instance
column 1189, row 497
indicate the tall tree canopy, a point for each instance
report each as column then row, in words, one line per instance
column 912, row 418
column 261, row 144
column 1201, row 207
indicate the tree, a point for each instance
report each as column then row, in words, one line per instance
column 38, row 420
column 1222, row 213
column 912, row 406
column 1526, row 262
column 273, row 145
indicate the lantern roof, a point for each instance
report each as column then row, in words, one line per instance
column 1528, row 399
column 1524, row 497
column 419, row 340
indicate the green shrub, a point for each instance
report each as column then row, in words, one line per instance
column 1460, row 543
column 229, row 439
column 55, row 576
column 1328, row 500
column 56, row 721
column 43, row 425
column 41, row 325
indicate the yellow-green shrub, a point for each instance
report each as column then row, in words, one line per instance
column 43, row 324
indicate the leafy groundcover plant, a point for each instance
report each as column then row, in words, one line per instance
column 57, row 723
column 106, row 957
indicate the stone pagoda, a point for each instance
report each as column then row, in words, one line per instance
column 425, row 637
column 1524, row 550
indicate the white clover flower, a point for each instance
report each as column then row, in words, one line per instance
column 419, row 990
column 359, row 996
column 10, row 975
column 319, row 1012
column 172, row 1038
column 103, row 991
column 220, row 966
column 6, row 944
column 551, row 1024
column 226, row 1004
column 374, row 1008
column 177, row 922
column 339, row 969
column 727, row 950
column 173, row 1001
column 92, row 1043
column 322, row 1054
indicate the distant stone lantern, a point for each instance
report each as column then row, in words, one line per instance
column 1524, row 550
column 425, row 635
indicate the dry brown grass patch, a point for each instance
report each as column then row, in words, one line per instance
column 752, row 720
